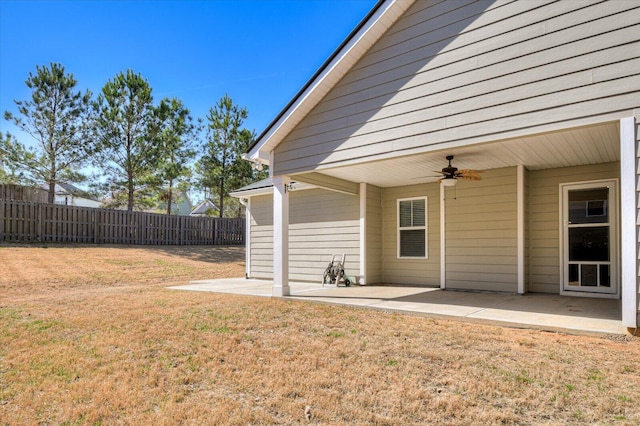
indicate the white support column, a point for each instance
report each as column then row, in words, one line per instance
column 443, row 222
column 281, row 236
column 363, row 233
column 520, row 221
column 628, row 224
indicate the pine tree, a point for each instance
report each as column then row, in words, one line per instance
column 128, row 126
column 177, row 136
column 222, row 150
column 57, row 117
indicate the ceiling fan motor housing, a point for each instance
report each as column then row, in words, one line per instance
column 450, row 171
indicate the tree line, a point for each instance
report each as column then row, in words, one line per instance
column 142, row 153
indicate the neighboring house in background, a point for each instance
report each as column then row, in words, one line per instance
column 70, row 195
column 204, row 207
column 543, row 97
column 180, row 205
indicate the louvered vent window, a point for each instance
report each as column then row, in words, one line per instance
column 412, row 228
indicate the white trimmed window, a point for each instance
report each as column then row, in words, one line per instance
column 412, row 228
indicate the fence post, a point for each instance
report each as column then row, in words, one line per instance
column 39, row 223
column 95, row 227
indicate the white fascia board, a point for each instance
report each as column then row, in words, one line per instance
column 356, row 47
column 252, row 192
column 268, row 190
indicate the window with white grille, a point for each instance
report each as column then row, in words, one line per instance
column 412, row 228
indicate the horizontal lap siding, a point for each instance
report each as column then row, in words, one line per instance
column 321, row 223
column 544, row 220
column 261, row 239
column 410, row 271
column 481, row 233
column 455, row 72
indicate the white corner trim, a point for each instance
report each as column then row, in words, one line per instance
column 628, row 225
column 520, row 228
column 363, row 233
column 443, row 263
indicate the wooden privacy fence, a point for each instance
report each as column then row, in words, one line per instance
column 22, row 221
column 23, row 193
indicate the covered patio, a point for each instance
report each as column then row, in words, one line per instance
column 550, row 312
column 539, row 101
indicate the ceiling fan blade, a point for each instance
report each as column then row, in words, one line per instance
column 427, row 177
column 468, row 174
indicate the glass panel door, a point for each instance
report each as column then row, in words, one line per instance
column 589, row 237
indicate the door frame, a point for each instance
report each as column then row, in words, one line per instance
column 614, row 229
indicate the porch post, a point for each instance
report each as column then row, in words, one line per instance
column 443, row 263
column 281, row 236
column 628, row 224
column 521, row 225
column 363, row 233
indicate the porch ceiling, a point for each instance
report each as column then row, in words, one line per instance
column 575, row 147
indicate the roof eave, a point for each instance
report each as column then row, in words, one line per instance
column 268, row 190
column 368, row 31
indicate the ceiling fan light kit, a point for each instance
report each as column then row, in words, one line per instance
column 449, row 181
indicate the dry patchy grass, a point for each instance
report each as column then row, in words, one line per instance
column 89, row 335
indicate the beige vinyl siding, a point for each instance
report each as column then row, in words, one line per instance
column 481, row 233
column 261, row 239
column 410, row 271
column 321, row 223
column 466, row 72
column 544, row 219
column 374, row 235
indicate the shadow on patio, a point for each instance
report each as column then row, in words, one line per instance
column 534, row 310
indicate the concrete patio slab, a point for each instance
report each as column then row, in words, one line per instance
column 540, row 311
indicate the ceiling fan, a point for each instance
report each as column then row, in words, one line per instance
column 450, row 174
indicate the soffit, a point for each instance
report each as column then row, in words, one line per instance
column 575, row 147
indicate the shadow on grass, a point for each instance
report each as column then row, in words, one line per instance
column 200, row 253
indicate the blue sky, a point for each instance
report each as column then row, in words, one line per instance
column 260, row 52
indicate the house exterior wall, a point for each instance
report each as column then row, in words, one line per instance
column 481, row 233
column 322, row 223
column 70, row 200
column 457, row 73
column 261, row 240
column 410, row 271
column 544, row 220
